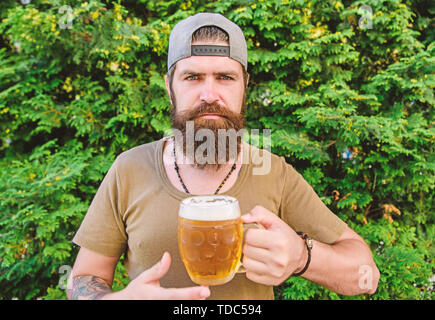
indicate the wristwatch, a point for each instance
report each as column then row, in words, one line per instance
column 309, row 244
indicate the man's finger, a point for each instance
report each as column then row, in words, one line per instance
column 157, row 271
column 256, row 248
column 260, row 278
column 190, row 293
column 260, row 238
column 262, row 216
column 255, row 266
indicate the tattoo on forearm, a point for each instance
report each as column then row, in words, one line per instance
column 88, row 287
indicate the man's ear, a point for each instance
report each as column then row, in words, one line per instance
column 247, row 79
column 167, row 88
column 167, row 83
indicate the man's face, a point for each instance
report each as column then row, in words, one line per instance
column 210, row 91
column 208, row 79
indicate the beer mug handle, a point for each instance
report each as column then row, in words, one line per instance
column 246, row 226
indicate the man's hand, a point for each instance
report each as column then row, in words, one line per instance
column 274, row 253
column 147, row 286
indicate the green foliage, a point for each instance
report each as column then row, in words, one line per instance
column 350, row 107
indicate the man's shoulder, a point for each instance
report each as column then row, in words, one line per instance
column 265, row 163
column 256, row 153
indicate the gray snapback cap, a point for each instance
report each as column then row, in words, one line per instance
column 180, row 39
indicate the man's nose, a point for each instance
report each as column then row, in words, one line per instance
column 209, row 92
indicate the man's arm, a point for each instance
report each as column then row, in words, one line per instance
column 345, row 267
column 92, row 278
column 89, row 288
column 273, row 254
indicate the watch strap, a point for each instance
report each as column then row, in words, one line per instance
column 309, row 245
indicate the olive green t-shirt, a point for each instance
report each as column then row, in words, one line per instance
column 135, row 212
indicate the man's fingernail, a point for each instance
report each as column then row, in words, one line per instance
column 205, row 292
column 161, row 260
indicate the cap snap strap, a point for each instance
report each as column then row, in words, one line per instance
column 210, row 50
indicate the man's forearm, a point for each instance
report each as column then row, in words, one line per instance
column 88, row 288
column 346, row 267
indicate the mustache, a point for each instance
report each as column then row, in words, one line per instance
column 228, row 118
column 207, row 108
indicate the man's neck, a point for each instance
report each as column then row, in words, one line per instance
column 198, row 180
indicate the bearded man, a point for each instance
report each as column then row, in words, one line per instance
column 135, row 209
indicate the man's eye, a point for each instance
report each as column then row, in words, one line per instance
column 226, row 78
column 194, row 77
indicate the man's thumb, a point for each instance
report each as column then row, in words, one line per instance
column 157, row 271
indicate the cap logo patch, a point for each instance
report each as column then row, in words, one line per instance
column 210, row 50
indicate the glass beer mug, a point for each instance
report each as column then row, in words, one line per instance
column 210, row 235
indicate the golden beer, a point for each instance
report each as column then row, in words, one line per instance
column 210, row 233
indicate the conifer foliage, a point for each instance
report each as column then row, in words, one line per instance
column 346, row 88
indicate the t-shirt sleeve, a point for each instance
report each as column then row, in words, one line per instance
column 102, row 230
column 304, row 211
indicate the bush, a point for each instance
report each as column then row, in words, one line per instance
column 347, row 94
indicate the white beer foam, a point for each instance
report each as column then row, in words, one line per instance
column 210, row 208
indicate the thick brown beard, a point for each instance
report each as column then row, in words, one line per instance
column 228, row 120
